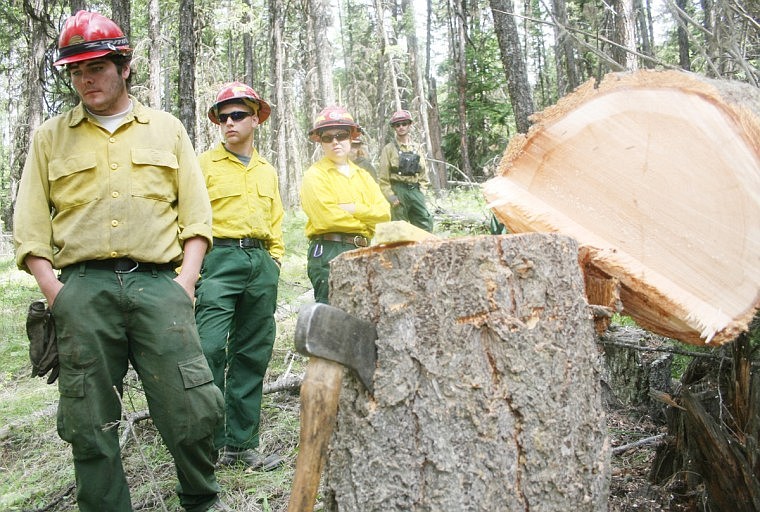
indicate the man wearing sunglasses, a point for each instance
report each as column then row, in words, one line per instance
column 403, row 176
column 236, row 296
column 342, row 201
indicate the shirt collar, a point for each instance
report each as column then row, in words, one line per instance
column 139, row 112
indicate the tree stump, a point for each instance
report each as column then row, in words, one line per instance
column 487, row 391
column 715, row 430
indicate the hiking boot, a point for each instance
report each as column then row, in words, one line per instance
column 219, row 506
column 250, row 457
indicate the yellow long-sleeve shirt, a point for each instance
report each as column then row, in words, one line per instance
column 245, row 200
column 89, row 194
column 324, row 188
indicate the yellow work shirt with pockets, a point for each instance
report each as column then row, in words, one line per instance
column 245, row 200
column 88, row 194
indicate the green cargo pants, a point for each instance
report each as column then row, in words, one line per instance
column 236, row 298
column 321, row 253
column 104, row 321
column 412, row 208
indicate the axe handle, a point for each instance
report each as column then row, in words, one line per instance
column 320, row 391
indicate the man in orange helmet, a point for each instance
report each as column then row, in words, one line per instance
column 403, row 175
column 112, row 197
column 237, row 291
column 342, row 201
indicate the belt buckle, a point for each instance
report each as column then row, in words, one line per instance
column 241, row 243
column 356, row 241
column 137, row 264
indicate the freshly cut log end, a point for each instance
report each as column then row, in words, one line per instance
column 657, row 175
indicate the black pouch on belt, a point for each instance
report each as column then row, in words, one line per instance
column 408, row 163
column 43, row 347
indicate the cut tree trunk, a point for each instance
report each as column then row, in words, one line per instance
column 487, row 393
column 657, row 175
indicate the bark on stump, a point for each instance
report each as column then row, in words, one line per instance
column 487, row 392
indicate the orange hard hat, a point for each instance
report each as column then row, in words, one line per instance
column 400, row 115
column 238, row 91
column 333, row 116
column 89, row 35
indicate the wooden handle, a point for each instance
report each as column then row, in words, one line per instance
column 320, row 392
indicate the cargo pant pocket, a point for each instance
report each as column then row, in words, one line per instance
column 204, row 401
column 74, row 418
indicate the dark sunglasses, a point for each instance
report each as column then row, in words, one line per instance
column 328, row 138
column 401, row 123
column 236, row 116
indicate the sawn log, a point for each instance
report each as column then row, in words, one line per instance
column 657, row 176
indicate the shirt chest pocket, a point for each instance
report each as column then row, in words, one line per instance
column 154, row 174
column 73, row 181
column 223, row 187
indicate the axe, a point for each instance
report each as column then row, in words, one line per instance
column 332, row 339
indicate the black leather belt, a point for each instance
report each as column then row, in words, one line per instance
column 127, row 265
column 349, row 239
column 243, row 243
column 406, row 184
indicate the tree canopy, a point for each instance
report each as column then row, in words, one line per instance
column 471, row 72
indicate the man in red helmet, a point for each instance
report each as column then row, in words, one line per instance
column 342, row 201
column 237, row 291
column 403, row 175
column 112, row 197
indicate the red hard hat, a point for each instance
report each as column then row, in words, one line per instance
column 333, row 117
column 89, row 35
column 400, row 115
column 240, row 92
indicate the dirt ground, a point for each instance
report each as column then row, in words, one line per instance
column 630, row 488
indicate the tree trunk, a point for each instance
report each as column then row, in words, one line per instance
column 564, row 54
column 121, row 15
column 187, row 68
column 486, row 393
column 512, row 59
column 434, row 124
column 459, row 38
column 657, row 175
column 279, row 126
column 154, row 53
column 322, row 19
column 31, row 104
column 684, row 55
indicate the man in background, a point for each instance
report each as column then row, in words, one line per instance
column 403, row 174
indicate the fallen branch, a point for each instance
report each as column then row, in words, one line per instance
column 647, row 441
column 671, row 350
column 288, row 383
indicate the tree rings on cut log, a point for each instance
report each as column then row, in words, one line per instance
column 487, row 394
column 657, row 175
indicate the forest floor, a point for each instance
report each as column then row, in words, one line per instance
column 630, row 486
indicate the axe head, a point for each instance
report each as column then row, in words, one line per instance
column 331, row 333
